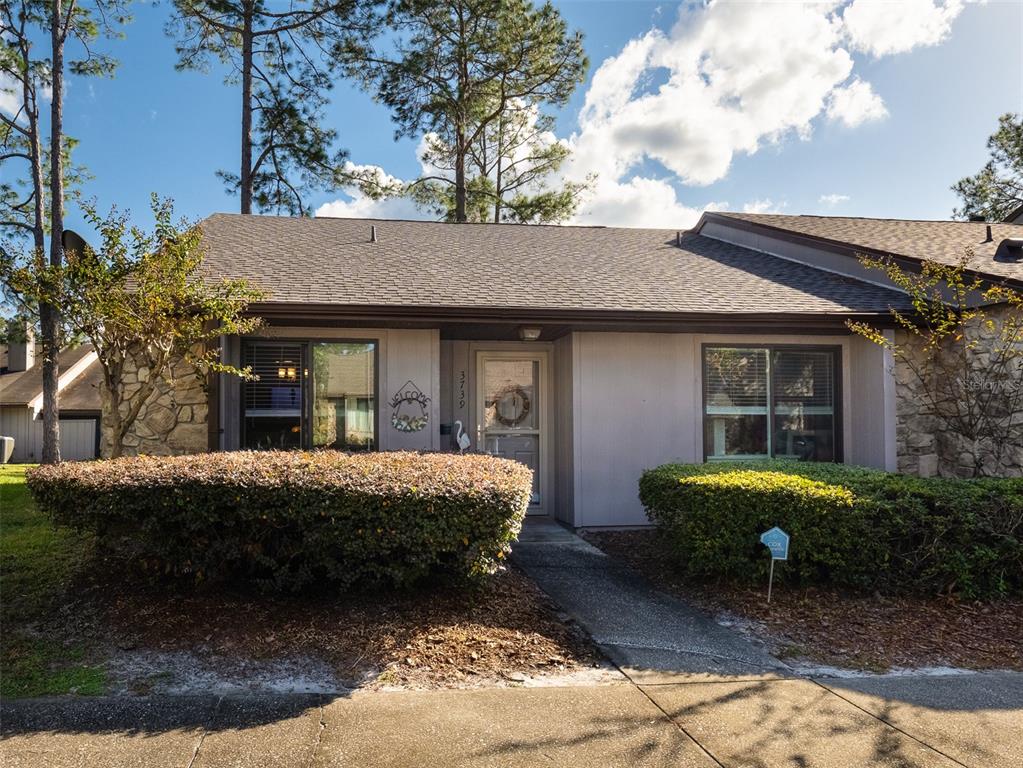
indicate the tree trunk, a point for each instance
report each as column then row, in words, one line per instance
column 116, row 424
column 460, row 216
column 245, row 177
column 461, row 118
column 36, row 159
column 49, row 319
column 497, row 171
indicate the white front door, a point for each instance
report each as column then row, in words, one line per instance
column 511, row 413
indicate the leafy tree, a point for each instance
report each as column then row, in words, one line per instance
column 285, row 62
column 142, row 302
column 81, row 22
column 962, row 346
column 996, row 190
column 509, row 168
column 464, row 71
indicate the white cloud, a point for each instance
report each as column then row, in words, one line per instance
column 767, row 205
column 363, row 206
column 731, row 77
column 637, row 202
column 855, row 104
column 727, row 79
column 10, row 101
column 885, row 28
column 832, row 200
column 10, row 95
column 736, row 76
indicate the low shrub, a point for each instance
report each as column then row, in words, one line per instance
column 289, row 520
column 849, row 526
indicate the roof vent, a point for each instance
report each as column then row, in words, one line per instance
column 989, row 238
column 678, row 238
column 1010, row 250
column 373, row 233
column 977, row 217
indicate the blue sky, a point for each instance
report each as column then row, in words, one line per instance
column 882, row 112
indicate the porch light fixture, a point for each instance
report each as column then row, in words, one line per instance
column 529, row 333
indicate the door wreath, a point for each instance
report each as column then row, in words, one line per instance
column 520, row 409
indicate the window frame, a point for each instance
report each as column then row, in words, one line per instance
column 835, row 350
column 306, row 419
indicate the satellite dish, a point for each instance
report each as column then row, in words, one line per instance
column 73, row 242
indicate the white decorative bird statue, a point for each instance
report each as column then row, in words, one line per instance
column 461, row 438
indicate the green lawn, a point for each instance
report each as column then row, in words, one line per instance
column 37, row 563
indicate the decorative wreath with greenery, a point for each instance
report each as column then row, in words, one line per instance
column 526, row 405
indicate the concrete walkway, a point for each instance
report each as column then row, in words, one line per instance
column 649, row 635
column 972, row 720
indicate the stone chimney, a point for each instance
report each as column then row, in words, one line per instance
column 21, row 355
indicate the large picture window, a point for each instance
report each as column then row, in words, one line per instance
column 779, row 402
column 317, row 394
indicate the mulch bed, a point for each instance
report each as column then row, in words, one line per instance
column 838, row 627
column 503, row 629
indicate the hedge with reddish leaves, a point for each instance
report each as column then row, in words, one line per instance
column 289, row 520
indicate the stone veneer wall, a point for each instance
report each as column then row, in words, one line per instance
column 173, row 420
column 924, row 448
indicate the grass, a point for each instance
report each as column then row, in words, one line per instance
column 37, row 564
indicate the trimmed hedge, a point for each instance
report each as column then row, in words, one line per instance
column 289, row 520
column 849, row 526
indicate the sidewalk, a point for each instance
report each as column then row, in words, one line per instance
column 974, row 720
column 651, row 636
column 694, row 694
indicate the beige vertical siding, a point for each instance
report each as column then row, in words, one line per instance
column 635, row 407
column 564, row 422
column 872, row 424
column 637, row 403
column 77, row 436
column 410, row 356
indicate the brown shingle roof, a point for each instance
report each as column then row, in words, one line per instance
column 941, row 241
column 430, row 264
column 20, row 387
column 82, row 394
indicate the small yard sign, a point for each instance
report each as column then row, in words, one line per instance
column 777, row 541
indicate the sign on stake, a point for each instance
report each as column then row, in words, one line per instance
column 777, row 541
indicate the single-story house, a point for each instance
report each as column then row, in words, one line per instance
column 21, row 401
column 588, row 353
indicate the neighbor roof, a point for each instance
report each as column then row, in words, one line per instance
column 431, row 264
column 81, row 394
column 941, row 241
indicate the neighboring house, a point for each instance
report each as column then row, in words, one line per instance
column 588, row 353
column 21, row 402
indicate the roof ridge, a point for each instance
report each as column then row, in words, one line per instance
column 860, row 218
column 508, row 224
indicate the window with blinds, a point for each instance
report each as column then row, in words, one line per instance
column 273, row 399
column 316, row 394
column 735, row 398
column 764, row 401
